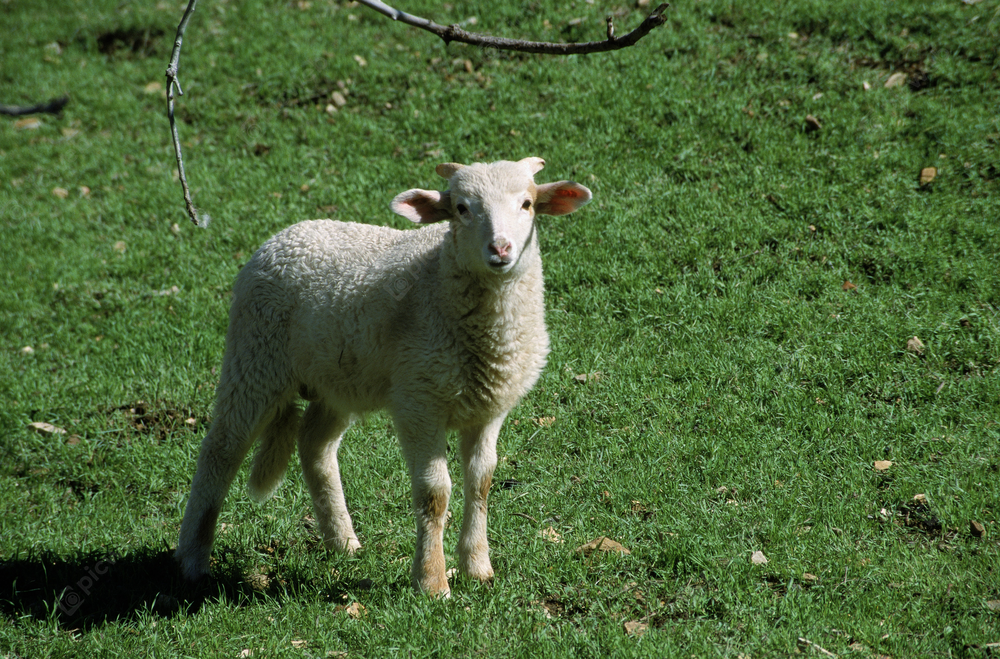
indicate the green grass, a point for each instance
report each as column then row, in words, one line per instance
column 744, row 395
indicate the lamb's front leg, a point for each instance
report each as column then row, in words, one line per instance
column 479, row 459
column 425, row 450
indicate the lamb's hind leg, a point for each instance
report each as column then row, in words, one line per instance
column 222, row 451
column 479, row 459
column 319, row 441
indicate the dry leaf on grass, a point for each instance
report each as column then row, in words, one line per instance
column 848, row 286
column 993, row 605
column 810, row 577
column 915, row 345
column 258, row 581
column 882, row 465
column 43, row 428
column 976, row 528
column 758, row 558
column 299, row 643
column 601, row 544
column 550, row 534
column 927, row 174
column 62, row 193
column 355, row 610
column 895, row 80
column 589, row 377
column 545, row 421
column 28, row 123
column 635, row 628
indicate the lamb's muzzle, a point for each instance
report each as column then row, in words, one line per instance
column 442, row 326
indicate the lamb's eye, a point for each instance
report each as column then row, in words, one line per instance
column 526, row 205
column 462, row 209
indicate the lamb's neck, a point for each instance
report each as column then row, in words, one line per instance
column 496, row 307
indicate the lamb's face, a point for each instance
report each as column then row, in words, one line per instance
column 492, row 209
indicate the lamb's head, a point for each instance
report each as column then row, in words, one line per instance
column 492, row 208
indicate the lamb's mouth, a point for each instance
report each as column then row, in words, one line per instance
column 498, row 263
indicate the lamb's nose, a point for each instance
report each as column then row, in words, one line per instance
column 500, row 247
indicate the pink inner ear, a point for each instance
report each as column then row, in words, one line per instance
column 566, row 200
column 421, row 206
column 561, row 198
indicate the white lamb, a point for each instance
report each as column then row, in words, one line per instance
column 443, row 326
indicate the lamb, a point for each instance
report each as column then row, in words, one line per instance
column 443, row 326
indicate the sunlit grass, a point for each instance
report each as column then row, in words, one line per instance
column 736, row 391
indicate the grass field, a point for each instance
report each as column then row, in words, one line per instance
column 732, row 322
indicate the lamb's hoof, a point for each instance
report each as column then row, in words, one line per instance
column 478, row 572
column 343, row 546
column 484, row 579
column 436, row 587
column 193, row 571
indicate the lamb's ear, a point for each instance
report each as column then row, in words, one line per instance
column 446, row 169
column 561, row 198
column 534, row 164
column 422, row 206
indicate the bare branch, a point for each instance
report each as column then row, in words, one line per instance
column 174, row 83
column 54, row 106
column 454, row 33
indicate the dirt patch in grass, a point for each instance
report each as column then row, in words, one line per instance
column 131, row 41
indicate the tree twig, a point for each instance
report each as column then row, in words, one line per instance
column 174, row 83
column 806, row 642
column 455, row 33
column 54, row 106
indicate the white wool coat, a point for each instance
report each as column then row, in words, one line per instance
column 342, row 303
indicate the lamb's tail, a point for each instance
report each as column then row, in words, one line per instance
column 277, row 442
